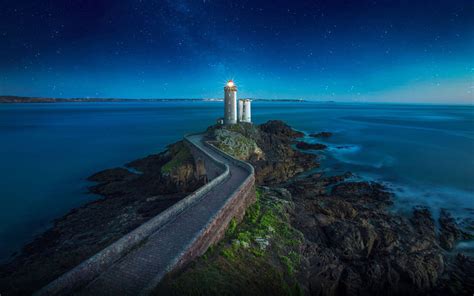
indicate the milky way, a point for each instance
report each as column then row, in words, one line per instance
column 327, row 50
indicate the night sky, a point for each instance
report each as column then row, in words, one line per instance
column 401, row 51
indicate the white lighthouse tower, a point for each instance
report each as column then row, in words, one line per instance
column 240, row 110
column 230, row 103
column 245, row 111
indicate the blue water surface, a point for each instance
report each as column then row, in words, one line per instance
column 423, row 152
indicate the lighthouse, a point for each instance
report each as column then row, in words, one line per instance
column 244, row 112
column 240, row 110
column 230, row 102
column 234, row 110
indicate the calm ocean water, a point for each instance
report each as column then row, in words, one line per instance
column 423, row 152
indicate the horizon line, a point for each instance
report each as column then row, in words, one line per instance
column 252, row 98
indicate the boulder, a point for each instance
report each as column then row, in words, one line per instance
column 449, row 231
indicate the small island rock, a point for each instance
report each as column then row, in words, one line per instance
column 321, row 135
column 310, row 146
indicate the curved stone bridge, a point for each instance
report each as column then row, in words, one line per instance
column 136, row 263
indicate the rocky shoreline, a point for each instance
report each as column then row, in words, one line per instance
column 355, row 246
column 131, row 196
column 351, row 242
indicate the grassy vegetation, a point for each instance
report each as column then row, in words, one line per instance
column 248, row 130
column 259, row 256
column 181, row 154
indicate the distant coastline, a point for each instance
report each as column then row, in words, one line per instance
column 18, row 99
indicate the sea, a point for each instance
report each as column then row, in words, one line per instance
column 423, row 153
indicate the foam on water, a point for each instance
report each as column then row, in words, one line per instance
column 349, row 154
column 344, row 149
column 458, row 202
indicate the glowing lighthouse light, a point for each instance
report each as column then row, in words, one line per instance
column 230, row 106
column 230, row 102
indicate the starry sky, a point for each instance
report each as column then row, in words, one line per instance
column 379, row 51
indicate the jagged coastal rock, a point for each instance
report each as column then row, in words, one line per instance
column 310, row 146
column 131, row 196
column 355, row 246
column 310, row 233
column 352, row 244
column 321, row 135
column 267, row 147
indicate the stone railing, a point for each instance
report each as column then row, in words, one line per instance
column 92, row 267
column 216, row 225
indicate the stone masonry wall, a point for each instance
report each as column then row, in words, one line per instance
column 214, row 230
column 235, row 208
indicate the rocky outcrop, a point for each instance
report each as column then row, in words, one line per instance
column 449, row 230
column 280, row 129
column 352, row 243
column 166, row 173
column 131, row 196
column 369, row 192
column 310, row 146
column 238, row 145
column 458, row 278
column 355, row 246
column 273, row 158
column 321, row 135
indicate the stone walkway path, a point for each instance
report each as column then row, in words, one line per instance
column 135, row 272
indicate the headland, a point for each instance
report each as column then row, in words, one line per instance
column 307, row 232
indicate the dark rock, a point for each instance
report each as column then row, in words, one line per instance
column 449, row 230
column 314, row 185
column 310, row 146
column 363, row 191
column 355, row 246
column 281, row 161
column 276, row 161
column 129, row 200
column 423, row 222
column 459, row 277
column 321, row 135
column 323, row 270
column 280, row 129
column 419, row 272
column 350, row 240
column 112, row 175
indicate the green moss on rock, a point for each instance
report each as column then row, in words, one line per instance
column 236, row 144
column 259, row 256
column 181, row 154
